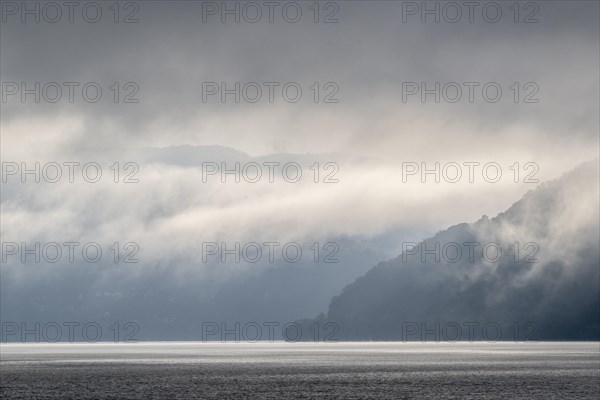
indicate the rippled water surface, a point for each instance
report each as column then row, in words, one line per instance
column 301, row 370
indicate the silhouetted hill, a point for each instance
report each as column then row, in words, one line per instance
column 549, row 287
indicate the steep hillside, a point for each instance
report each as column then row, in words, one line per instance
column 456, row 284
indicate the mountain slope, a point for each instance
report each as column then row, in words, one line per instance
column 548, row 289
